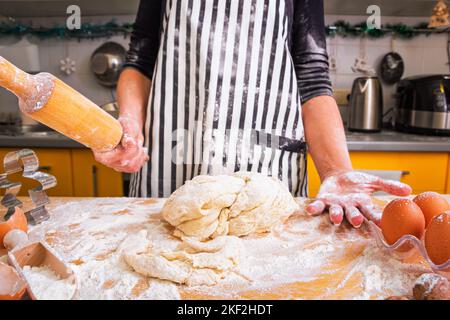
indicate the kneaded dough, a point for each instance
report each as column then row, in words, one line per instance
column 209, row 213
column 192, row 263
column 207, row 207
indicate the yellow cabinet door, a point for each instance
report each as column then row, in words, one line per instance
column 92, row 179
column 425, row 171
column 447, row 191
column 56, row 162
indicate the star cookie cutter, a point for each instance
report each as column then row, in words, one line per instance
column 25, row 160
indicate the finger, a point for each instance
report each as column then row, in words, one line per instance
column 372, row 212
column 109, row 157
column 147, row 157
column 354, row 216
column 315, row 208
column 393, row 187
column 133, row 165
column 336, row 214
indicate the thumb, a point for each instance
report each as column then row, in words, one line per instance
column 395, row 188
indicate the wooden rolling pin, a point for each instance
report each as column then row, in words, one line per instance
column 48, row 100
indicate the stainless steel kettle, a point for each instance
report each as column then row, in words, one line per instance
column 366, row 105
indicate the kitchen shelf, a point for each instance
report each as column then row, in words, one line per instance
column 57, row 8
column 399, row 8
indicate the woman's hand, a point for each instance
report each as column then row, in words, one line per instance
column 348, row 193
column 130, row 155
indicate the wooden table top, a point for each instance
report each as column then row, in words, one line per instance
column 340, row 276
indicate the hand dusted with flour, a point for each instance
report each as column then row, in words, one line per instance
column 130, row 155
column 350, row 193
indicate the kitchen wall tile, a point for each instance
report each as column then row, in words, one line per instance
column 81, row 52
column 56, row 53
column 413, row 59
column 435, row 60
column 374, row 55
column 345, row 81
column 346, row 55
column 434, row 41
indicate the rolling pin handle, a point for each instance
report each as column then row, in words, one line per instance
column 15, row 80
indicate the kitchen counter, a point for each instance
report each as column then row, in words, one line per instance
column 307, row 258
column 37, row 140
column 386, row 140
column 389, row 140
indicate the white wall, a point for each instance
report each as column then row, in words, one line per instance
column 52, row 50
column 422, row 55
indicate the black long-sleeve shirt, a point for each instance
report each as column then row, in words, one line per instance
column 306, row 38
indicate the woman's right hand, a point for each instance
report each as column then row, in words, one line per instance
column 130, row 155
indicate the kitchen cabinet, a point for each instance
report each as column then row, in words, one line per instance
column 92, row 179
column 76, row 171
column 57, row 162
column 422, row 171
column 447, row 191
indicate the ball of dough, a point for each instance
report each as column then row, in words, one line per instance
column 431, row 286
column 240, row 204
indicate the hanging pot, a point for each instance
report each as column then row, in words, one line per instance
column 392, row 68
column 107, row 62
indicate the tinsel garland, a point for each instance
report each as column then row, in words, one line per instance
column 87, row 30
column 400, row 30
column 92, row 31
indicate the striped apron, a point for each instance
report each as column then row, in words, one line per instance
column 224, row 97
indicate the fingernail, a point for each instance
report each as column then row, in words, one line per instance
column 357, row 221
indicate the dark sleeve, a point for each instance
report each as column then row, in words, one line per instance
column 309, row 49
column 145, row 38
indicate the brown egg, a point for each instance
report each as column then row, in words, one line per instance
column 437, row 238
column 16, row 221
column 402, row 217
column 431, row 204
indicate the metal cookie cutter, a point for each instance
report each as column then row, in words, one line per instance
column 26, row 160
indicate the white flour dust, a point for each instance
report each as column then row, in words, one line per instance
column 47, row 285
column 88, row 235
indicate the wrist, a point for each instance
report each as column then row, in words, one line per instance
column 132, row 118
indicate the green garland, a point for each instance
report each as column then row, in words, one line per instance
column 400, row 30
column 92, row 31
column 87, row 30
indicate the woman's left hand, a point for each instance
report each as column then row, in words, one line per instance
column 349, row 194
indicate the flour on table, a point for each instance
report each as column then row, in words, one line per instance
column 47, row 285
column 89, row 235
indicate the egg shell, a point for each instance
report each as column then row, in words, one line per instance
column 431, row 204
column 16, row 221
column 437, row 239
column 402, row 217
column 12, row 286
